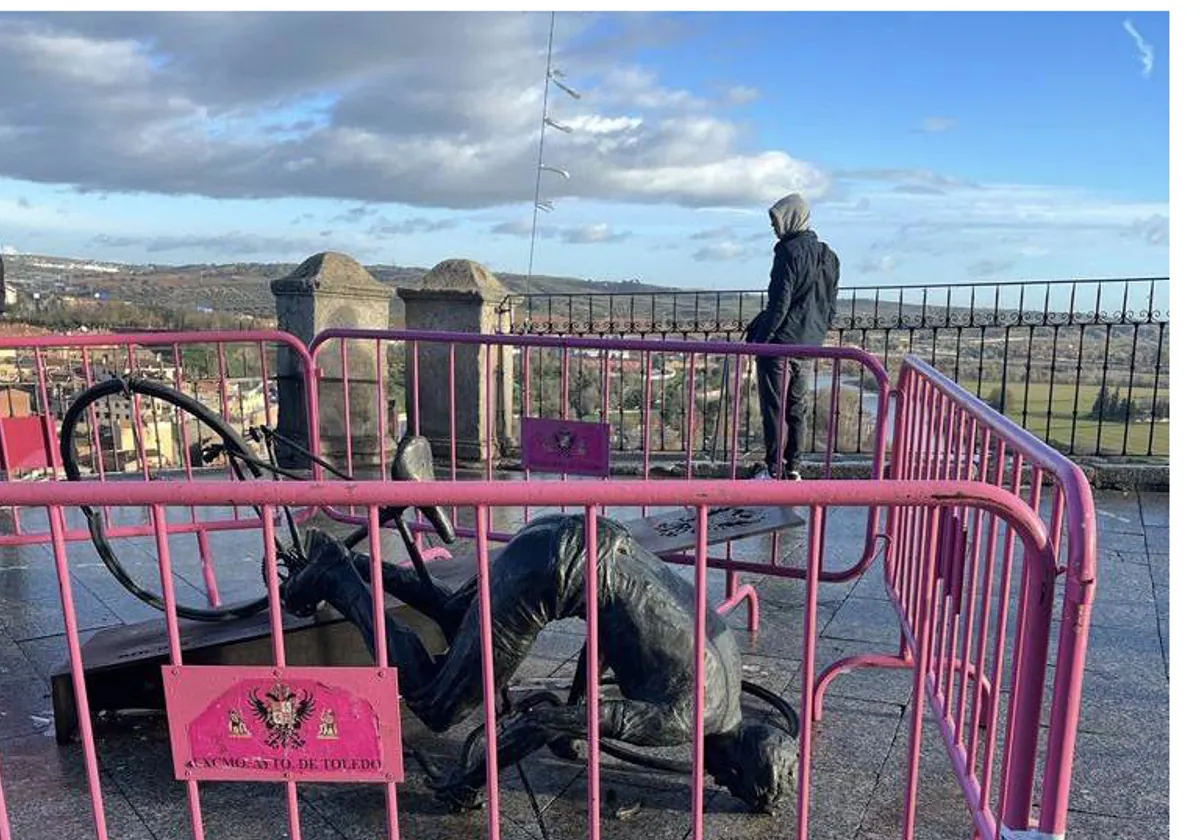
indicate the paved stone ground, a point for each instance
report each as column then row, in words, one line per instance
column 1120, row 782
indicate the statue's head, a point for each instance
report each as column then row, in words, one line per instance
column 757, row 764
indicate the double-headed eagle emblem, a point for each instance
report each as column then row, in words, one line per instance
column 283, row 714
column 564, row 440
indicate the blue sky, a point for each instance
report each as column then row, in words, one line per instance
column 938, row 147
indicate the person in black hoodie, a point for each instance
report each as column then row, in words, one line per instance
column 801, row 301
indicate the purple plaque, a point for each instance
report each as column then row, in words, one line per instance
column 564, row 446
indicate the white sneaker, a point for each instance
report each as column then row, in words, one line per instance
column 793, row 475
column 762, row 475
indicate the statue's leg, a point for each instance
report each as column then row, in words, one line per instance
column 523, row 599
column 438, row 602
column 462, row 787
column 646, row 724
column 330, row 576
column 564, row 746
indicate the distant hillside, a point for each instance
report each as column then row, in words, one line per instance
column 517, row 283
column 237, row 288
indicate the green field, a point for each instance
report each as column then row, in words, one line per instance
column 1112, row 434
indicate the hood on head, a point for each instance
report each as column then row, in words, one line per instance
column 790, row 215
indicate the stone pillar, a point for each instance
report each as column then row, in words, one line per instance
column 460, row 296
column 325, row 291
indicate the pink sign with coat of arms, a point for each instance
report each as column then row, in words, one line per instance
column 572, row 447
column 263, row 724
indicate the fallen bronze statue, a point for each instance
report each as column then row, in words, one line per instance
column 645, row 622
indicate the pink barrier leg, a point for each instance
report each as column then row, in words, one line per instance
column 744, row 592
column 884, row 660
column 159, row 519
column 698, row 670
column 75, row 653
column 924, row 634
column 842, row 666
column 593, row 675
column 206, row 568
column 489, row 682
column 5, row 831
column 803, row 797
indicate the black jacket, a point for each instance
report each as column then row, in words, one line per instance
column 802, row 297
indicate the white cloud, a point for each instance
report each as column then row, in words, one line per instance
column 639, row 88
column 909, row 177
column 720, row 252
column 217, row 105
column 407, row 227
column 871, row 265
column 935, row 125
column 594, row 124
column 110, row 63
column 513, row 228
column 741, row 95
column 730, row 211
column 985, row 230
column 355, row 214
column 1006, row 208
column 990, row 268
column 591, row 234
column 232, row 243
column 758, row 178
column 1155, row 229
column 725, row 232
column 1145, row 50
column 918, row 189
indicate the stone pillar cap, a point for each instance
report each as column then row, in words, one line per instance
column 457, row 279
column 332, row 273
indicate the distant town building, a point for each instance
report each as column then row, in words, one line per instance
column 15, row 402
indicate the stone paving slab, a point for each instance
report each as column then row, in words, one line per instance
column 1156, row 508
column 1083, row 824
column 48, row 797
column 1121, row 776
column 941, row 812
column 14, row 664
column 865, row 620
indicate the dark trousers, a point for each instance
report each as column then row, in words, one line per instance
column 780, row 421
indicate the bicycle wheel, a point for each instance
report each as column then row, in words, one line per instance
column 236, row 450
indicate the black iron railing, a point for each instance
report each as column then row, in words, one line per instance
column 1085, row 364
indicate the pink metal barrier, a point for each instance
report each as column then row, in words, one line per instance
column 126, row 436
column 921, row 505
column 581, row 379
column 971, row 500
column 950, row 573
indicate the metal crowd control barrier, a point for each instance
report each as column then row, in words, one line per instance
column 920, row 563
column 945, row 433
column 632, row 386
column 234, row 373
column 964, row 503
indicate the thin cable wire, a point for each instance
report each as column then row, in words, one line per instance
column 537, row 184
